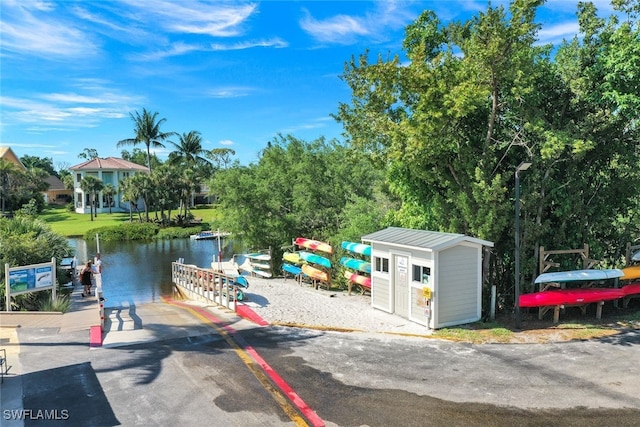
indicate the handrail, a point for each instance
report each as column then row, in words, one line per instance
column 205, row 283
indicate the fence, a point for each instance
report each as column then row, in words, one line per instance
column 205, row 284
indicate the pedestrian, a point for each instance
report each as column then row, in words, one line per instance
column 97, row 264
column 85, row 278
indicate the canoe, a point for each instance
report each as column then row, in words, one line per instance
column 315, row 259
column 292, row 269
column 262, row 273
column 636, row 257
column 631, row 289
column 259, row 256
column 315, row 273
column 314, row 245
column 358, row 278
column 570, row 296
column 260, row 265
column 358, row 248
column 292, row 257
column 356, row 264
column 631, row 273
column 579, row 275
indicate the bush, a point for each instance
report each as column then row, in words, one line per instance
column 62, row 303
column 126, row 231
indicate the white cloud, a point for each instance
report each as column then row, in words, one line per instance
column 35, row 29
column 275, row 42
column 216, row 19
column 341, row 29
column 557, row 32
column 230, row 91
column 226, row 142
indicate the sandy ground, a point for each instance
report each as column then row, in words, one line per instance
column 285, row 302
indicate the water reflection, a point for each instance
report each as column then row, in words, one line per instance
column 135, row 272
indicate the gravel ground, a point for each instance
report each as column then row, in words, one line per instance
column 285, row 302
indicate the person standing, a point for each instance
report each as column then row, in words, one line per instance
column 85, row 278
column 97, row 264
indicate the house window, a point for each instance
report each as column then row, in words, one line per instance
column 382, row 264
column 421, row 274
column 78, row 177
column 107, row 178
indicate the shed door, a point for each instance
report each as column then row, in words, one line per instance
column 401, row 282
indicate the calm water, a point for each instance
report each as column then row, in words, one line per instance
column 140, row 272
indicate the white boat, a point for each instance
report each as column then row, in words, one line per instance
column 209, row 235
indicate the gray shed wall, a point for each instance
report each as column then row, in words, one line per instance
column 459, row 290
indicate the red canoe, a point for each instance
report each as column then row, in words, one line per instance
column 570, row 296
column 314, row 245
column 631, row 289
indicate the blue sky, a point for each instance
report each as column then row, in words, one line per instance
column 238, row 72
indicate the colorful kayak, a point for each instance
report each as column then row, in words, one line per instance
column 292, row 269
column 292, row 257
column 631, row 289
column 358, row 278
column 356, row 264
column 570, row 296
column 579, row 275
column 636, row 257
column 315, row 259
column 314, row 245
column 631, row 273
column 358, row 248
column 315, row 273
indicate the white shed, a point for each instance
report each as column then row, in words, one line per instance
column 428, row 277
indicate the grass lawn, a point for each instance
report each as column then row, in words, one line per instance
column 71, row 224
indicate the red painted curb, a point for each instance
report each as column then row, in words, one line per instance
column 95, row 336
column 247, row 313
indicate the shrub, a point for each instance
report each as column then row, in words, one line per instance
column 126, row 231
column 62, row 303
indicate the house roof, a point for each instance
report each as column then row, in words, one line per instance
column 109, row 163
column 55, row 183
column 422, row 239
column 7, row 154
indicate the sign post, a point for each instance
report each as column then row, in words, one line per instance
column 30, row 278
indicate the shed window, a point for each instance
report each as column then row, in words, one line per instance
column 421, row 273
column 382, row 264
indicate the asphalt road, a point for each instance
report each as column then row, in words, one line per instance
column 176, row 368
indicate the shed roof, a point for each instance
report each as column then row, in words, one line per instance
column 109, row 163
column 423, row 239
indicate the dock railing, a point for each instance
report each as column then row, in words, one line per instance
column 205, row 284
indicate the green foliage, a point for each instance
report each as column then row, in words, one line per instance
column 125, row 231
column 61, row 304
column 297, row 188
column 24, row 241
column 476, row 99
column 179, row 232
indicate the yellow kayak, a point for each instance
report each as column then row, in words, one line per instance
column 631, row 273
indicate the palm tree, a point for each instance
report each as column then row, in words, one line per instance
column 92, row 186
column 7, row 170
column 189, row 150
column 109, row 191
column 147, row 130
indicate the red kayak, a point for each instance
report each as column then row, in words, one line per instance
column 570, row 296
column 631, row 289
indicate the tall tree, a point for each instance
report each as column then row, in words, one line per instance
column 89, row 154
column 109, row 191
column 221, row 156
column 92, row 186
column 147, row 131
column 189, row 150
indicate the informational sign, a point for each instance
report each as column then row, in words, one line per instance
column 30, row 278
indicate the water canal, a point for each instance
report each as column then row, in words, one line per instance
column 135, row 272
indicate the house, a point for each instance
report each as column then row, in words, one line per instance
column 6, row 153
column 431, row 278
column 57, row 192
column 110, row 170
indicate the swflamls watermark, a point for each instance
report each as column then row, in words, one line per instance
column 35, row 414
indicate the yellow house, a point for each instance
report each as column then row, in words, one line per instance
column 6, row 153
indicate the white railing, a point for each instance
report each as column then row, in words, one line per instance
column 207, row 284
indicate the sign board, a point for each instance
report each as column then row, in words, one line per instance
column 30, row 278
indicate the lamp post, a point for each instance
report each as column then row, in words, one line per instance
column 521, row 167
